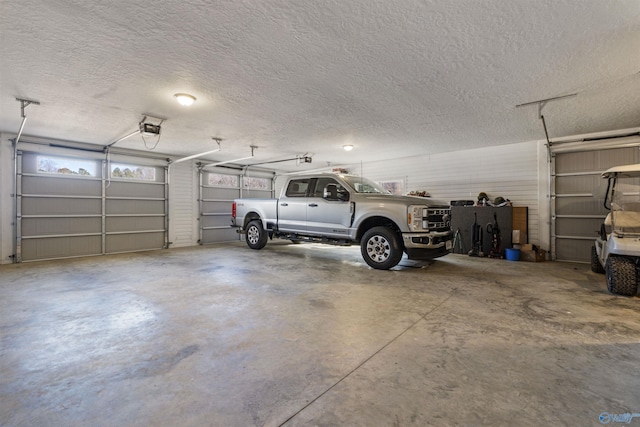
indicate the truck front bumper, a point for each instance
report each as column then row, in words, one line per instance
column 427, row 245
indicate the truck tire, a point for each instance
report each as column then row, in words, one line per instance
column 596, row 267
column 621, row 276
column 255, row 235
column 380, row 248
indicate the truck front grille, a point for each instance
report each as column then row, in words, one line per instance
column 436, row 219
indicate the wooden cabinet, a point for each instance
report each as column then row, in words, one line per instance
column 520, row 221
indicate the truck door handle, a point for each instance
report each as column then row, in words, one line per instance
column 284, row 204
column 313, row 205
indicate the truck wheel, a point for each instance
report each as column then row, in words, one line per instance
column 621, row 276
column 596, row 267
column 380, row 248
column 256, row 236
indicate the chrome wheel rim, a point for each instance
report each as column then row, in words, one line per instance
column 253, row 235
column 378, row 248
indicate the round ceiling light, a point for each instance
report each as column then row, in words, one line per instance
column 348, row 147
column 185, row 99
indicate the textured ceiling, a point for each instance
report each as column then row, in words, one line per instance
column 394, row 78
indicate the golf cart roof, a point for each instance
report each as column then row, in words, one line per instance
column 627, row 171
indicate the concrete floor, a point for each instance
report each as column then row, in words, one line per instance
column 301, row 335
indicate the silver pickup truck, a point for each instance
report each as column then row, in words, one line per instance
column 346, row 209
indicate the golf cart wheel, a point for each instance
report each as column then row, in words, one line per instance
column 621, row 276
column 596, row 267
column 256, row 236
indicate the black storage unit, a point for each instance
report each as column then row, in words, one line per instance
column 462, row 218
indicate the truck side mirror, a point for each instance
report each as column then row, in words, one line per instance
column 330, row 192
column 333, row 192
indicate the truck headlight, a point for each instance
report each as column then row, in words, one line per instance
column 415, row 216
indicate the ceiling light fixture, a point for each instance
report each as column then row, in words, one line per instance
column 348, row 147
column 185, row 99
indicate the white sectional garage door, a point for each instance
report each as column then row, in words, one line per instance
column 70, row 206
column 578, row 198
column 218, row 189
column 135, row 211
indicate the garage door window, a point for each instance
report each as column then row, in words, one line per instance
column 66, row 166
column 221, row 180
column 254, row 183
column 139, row 173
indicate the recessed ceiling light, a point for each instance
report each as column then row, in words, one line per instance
column 185, row 99
column 348, row 147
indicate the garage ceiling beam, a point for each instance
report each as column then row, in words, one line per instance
column 226, row 161
column 205, row 165
column 597, row 144
column 542, row 102
column 598, row 135
column 195, row 156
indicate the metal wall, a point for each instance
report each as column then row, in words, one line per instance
column 578, row 198
column 70, row 215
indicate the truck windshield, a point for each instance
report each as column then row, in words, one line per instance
column 625, row 206
column 363, row 185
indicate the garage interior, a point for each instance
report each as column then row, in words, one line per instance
column 127, row 299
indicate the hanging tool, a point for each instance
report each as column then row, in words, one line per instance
column 496, row 239
column 476, row 238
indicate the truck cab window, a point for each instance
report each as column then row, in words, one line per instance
column 297, row 188
column 324, row 184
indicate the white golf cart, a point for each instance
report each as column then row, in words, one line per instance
column 617, row 249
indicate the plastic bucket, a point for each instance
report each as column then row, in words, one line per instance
column 512, row 254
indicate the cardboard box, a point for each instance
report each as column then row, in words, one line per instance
column 533, row 255
column 541, row 255
column 527, row 247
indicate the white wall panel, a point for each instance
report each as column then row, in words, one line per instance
column 183, row 204
column 510, row 171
